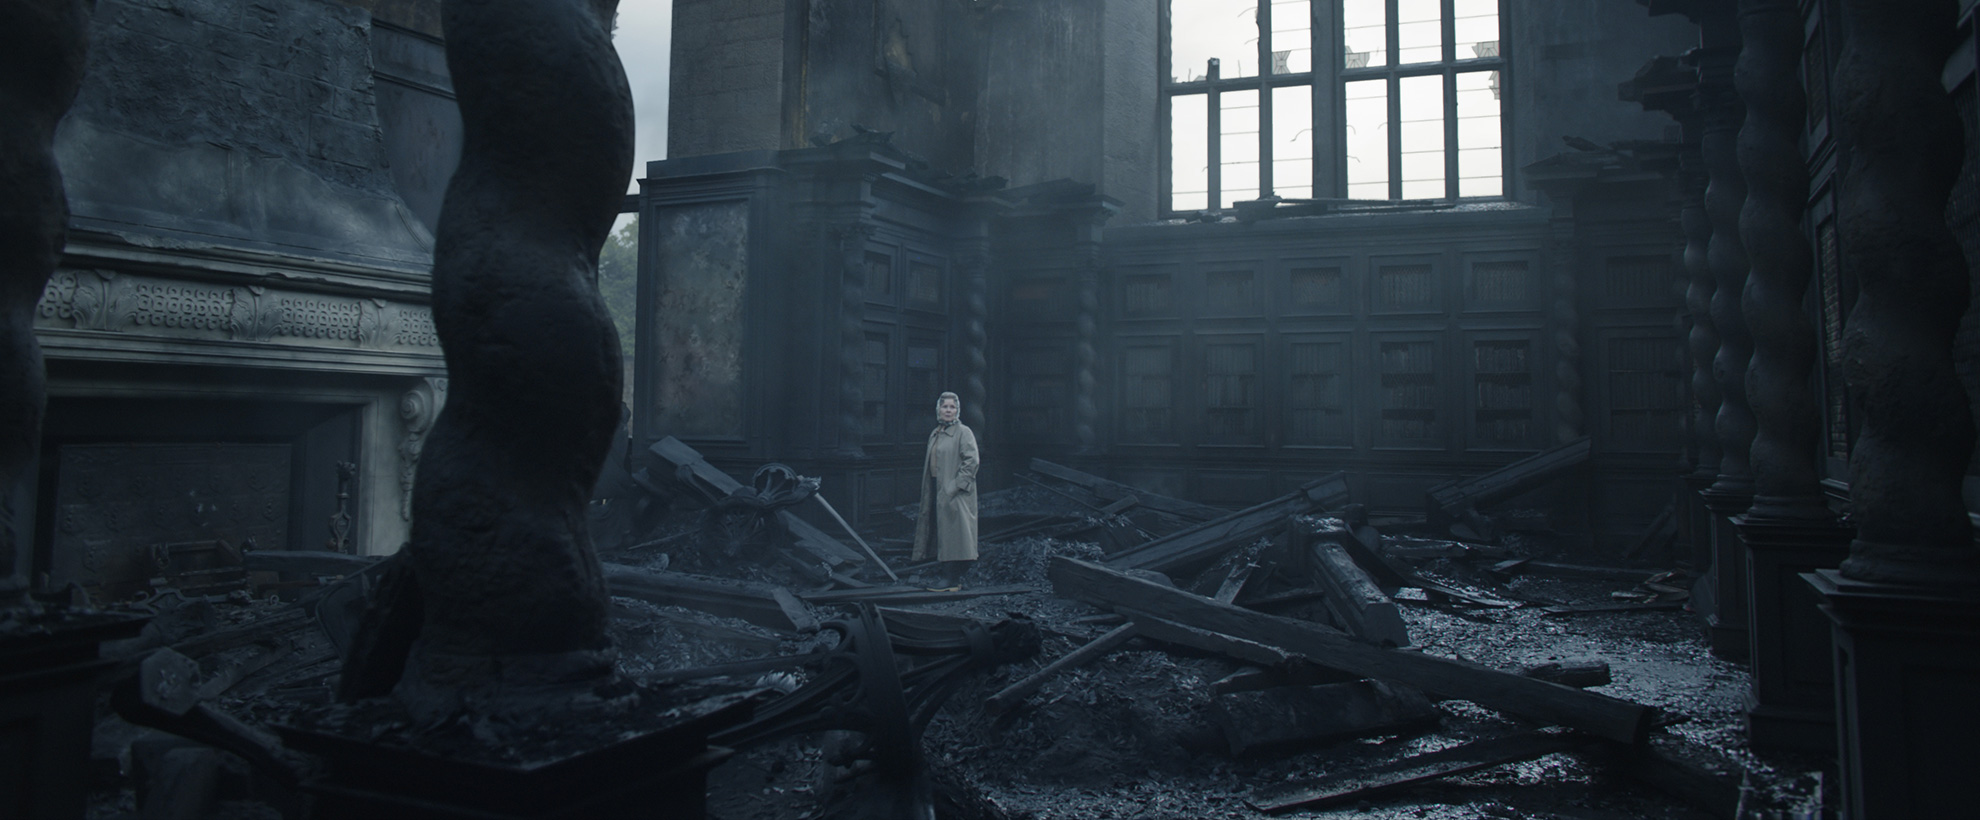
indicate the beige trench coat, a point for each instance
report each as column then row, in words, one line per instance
column 950, row 472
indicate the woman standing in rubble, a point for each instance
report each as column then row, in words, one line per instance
column 947, row 524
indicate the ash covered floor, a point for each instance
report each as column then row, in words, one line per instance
column 1146, row 731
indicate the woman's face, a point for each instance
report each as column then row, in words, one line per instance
column 946, row 410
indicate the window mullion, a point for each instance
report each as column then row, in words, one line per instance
column 1262, row 18
column 1450, row 100
column 1215, row 104
column 1165, row 183
column 1394, row 38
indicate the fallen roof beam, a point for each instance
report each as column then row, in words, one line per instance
column 1204, row 542
column 1116, row 491
column 1595, row 714
column 1468, row 757
column 765, row 606
column 1352, row 596
column 908, row 595
column 1452, row 498
column 715, row 485
column 1093, row 650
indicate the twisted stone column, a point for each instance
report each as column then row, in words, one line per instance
column 852, row 337
column 1086, row 357
column 43, row 46
column 1787, row 421
column 1725, row 195
column 1567, row 337
column 1903, row 143
column 514, row 597
column 1703, row 340
column 975, row 263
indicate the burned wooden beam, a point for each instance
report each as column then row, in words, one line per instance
column 765, row 606
column 1299, row 672
column 1093, row 650
column 715, row 485
column 1451, row 498
column 307, row 562
column 1595, row 714
column 907, row 595
column 1352, row 596
column 1579, row 673
column 1204, row 542
column 1116, row 492
column 1469, row 757
column 1288, row 718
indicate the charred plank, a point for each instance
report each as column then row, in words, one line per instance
column 1595, row 714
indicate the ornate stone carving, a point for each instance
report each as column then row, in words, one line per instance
column 415, row 328
column 513, row 596
column 255, row 315
column 103, row 300
column 1787, row 437
column 417, row 409
column 87, row 299
column 43, row 46
column 852, row 336
column 1903, row 142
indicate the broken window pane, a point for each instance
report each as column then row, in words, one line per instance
column 1365, row 24
column 1476, row 24
column 1200, row 30
column 1292, row 37
column 1189, row 153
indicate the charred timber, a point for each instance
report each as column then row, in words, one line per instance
column 1595, row 714
column 1205, row 542
column 1452, row 498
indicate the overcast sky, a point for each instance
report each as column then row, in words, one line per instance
column 644, row 38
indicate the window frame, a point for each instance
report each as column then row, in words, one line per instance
column 1327, row 82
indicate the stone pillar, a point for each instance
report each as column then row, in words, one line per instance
column 43, row 48
column 1665, row 85
column 1086, row 356
column 973, row 261
column 513, row 597
column 851, row 241
column 1788, row 529
column 1904, row 605
column 1725, row 193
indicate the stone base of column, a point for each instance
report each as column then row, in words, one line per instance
column 1697, row 520
column 1908, row 722
column 1792, row 704
column 1727, row 621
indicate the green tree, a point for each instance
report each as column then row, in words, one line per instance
column 618, row 279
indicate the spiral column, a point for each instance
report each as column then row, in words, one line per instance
column 514, row 597
column 1788, row 529
column 973, row 257
column 43, row 48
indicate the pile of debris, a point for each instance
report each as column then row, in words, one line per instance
column 1191, row 661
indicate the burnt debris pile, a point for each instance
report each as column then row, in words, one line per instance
column 1115, row 652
